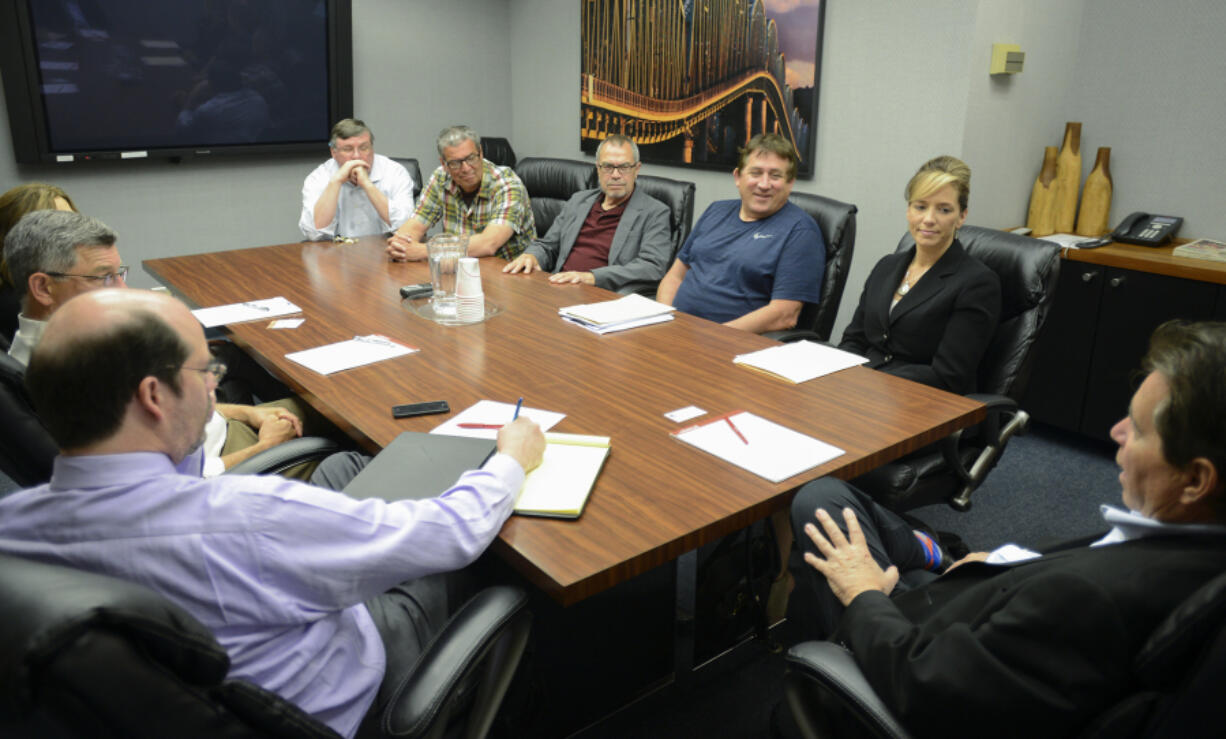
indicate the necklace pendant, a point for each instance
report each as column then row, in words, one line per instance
column 904, row 288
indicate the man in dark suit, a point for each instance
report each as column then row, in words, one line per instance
column 1014, row 643
column 615, row 236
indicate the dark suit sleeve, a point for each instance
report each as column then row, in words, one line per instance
column 650, row 261
column 967, row 332
column 855, row 336
column 1039, row 659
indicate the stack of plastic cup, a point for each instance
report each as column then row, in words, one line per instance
column 470, row 299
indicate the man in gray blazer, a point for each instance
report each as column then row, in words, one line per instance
column 615, row 236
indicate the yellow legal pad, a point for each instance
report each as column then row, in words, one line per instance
column 560, row 486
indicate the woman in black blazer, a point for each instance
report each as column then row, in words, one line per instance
column 927, row 314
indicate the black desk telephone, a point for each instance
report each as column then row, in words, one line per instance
column 1147, row 229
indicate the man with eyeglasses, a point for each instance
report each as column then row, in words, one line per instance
column 614, row 236
column 357, row 192
column 54, row 255
column 326, row 600
column 473, row 197
column 751, row 263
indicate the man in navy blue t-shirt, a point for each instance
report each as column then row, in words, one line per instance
column 751, row 263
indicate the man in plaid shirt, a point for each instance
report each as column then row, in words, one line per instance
column 474, row 197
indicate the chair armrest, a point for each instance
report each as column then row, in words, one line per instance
column 646, row 289
column 789, row 335
column 833, row 671
column 1004, row 420
column 283, row 456
column 493, row 624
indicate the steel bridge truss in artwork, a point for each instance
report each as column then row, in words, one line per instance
column 661, row 70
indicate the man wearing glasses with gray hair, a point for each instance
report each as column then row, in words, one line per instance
column 473, row 197
column 54, row 255
column 614, row 236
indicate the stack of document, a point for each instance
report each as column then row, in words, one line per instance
column 617, row 315
column 800, row 361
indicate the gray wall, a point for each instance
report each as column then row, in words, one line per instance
column 401, row 88
column 900, row 82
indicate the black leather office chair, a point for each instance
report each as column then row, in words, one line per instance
column 27, row 449
column 410, row 163
column 837, row 221
column 678, row 195
column 1177, row 679
column 550, row 183
column 498, row 151
column 952, row 469
column 84, row 655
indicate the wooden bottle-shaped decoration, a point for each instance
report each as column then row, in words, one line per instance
column 1068, row 178
column 1096, row 197
column 1041, row 216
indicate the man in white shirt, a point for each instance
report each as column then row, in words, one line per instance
column 357, row 192
column 54, row 255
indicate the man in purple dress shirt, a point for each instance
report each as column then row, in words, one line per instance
column 316, row 596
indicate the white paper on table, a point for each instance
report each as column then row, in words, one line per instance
column 773, row 451
column 286, row 323
column 630, row 308
column 356, row 352
column 609, row 328
column 800, row 361
column 250, row 310
column 681, row 415
column 494, row 413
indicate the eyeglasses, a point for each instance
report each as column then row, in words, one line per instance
column 108, row 279
column 351, row 150
column 610, row 168
column 215, row 367
column 471, row 160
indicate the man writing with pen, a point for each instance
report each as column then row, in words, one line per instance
column 323, row 599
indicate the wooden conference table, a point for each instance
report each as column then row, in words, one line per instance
column 657, row 497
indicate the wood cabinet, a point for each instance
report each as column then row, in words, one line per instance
column 1108, row 302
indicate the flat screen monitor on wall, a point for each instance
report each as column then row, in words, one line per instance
column 124, row 79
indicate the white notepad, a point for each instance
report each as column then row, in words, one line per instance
column 800, row 361
column 493, row 414
column 768, row 449
column 560, row 486
column 250, row 310
column 343, row 355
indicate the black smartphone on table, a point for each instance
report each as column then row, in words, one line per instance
column 420, row 409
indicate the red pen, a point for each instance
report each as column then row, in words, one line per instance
column 486, row 426
column 735, row 430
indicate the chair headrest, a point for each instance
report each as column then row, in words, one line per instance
column 546, row 177
column 1027, row 267
column 1181, row 638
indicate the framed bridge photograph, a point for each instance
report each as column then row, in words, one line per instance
column 692, row 80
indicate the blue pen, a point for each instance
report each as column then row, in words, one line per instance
column 518, row 405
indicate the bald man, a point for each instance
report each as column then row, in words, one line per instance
column 323, row 599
